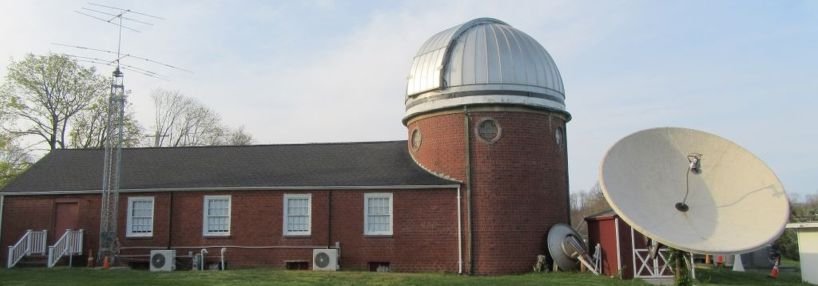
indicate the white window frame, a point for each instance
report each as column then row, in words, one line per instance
column 129, row 225
column 287, row 198
column 205, row 227
column 391, row 213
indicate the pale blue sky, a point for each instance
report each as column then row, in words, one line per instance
column 329, row 71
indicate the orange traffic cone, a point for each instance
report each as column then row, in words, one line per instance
column 105, row 263
column 774, row 271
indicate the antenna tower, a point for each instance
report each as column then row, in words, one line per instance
column 108, row 239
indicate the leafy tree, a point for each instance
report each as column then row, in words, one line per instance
column 46, row 92
column 805, row 210
column 90, row 126
column 13, row 160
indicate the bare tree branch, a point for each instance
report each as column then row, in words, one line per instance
column 183, row 121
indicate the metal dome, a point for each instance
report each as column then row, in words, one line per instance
column 483, row 61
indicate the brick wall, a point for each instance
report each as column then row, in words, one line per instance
column 442, row 148
column 424, row 230
column 519, row 182
column 38, row 213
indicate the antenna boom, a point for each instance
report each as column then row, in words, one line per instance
column 126, row 10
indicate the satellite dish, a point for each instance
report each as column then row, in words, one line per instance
column 694, row 191
column 566, row 248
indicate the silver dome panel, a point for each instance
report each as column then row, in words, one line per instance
column 483, row 57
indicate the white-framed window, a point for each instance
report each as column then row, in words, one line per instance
column 297, row 214
column 216, row 220
column 378, row 214
column 140, row 217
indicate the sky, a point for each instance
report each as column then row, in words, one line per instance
column 335, row 71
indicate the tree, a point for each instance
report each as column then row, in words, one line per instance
column 584, row 204
column 13, row 160
column 90, row 126
column 239, row 137
column 183, row 121
column 804, row 210
column 46, row 93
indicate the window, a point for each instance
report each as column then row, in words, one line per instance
column 488, row 130
column 416, row 139
column 378, row 214
column 297, row 212
column 140, row 217
column 559, row 136
column 216, row 216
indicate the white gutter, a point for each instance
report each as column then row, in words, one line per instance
column 459, row 236
column 263, row 188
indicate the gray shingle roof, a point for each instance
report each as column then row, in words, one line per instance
column 296, row 165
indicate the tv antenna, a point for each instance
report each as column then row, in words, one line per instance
column 108, row 239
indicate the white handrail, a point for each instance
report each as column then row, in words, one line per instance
column 32, row 242
column 69, row 244
column 39, row 242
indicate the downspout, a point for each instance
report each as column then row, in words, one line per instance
column 170, row 221
column 2, row 203
column 567, row 178
column 329, row 219
column 459, row 234
column 467, row 137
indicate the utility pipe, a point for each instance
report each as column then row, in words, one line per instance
column 223, row 250
column 231, row 246
column 202, row 252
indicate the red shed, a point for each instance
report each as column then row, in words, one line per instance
column 623, row 249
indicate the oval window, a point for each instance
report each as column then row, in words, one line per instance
column 416, row 139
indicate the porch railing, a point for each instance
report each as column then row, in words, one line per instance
column 69, row 244
column 32, row 242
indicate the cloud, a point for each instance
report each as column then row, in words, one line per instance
column 336, row 71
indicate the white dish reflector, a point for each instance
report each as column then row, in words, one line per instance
column 734, row 204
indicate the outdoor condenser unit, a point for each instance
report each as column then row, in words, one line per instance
column 325, row 259
column 163, row 260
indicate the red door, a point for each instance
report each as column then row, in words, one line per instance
column 66, row 217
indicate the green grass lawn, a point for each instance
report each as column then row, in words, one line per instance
column 267, row 276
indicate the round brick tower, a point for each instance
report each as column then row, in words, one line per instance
column 485, row 106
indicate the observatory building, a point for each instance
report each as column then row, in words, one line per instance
column 474, row 189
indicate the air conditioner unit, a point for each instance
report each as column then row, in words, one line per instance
column 163, row 260
column 325, row 259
